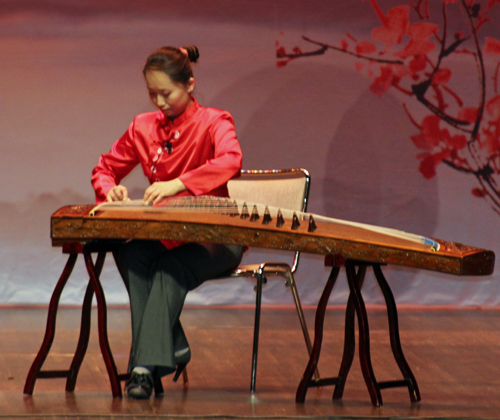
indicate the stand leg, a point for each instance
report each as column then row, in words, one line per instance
column 349, row 339
column 83, row 340
column 256, row 331
column 102, row 326
column 50, row 330
column 302, row 318
column 318, row 336
column 364, row 336
column 397, row 350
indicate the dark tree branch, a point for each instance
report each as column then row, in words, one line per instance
column 331, row 47
column 321, row 51
column 421, row 89
column 482, row 75
column 454, row 46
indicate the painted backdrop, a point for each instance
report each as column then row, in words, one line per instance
column 392, row 105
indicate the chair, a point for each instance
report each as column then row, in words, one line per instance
column 284, row 188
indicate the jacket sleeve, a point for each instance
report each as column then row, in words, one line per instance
column 226, row 163
column 115, row 165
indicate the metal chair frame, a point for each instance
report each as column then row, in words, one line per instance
column 262, row 271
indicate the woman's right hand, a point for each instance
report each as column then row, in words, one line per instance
column 118, row 193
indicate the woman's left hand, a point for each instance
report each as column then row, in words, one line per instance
column 160, row 190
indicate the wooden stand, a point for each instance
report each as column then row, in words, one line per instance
column 94, row 286
column 356, row 306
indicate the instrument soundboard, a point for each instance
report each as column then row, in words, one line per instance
column 259, row 226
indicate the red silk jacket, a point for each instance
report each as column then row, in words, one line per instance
column 199, row 147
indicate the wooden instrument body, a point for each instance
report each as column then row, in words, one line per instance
column 74, row 223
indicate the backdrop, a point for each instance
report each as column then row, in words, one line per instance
column 392, row 105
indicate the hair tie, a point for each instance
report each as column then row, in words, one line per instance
column 184, row 51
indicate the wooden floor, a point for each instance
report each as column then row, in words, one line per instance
column 454, row 355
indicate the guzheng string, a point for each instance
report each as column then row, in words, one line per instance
column 223, row 205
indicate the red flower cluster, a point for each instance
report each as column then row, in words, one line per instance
column 410, row 57
column 438, row 145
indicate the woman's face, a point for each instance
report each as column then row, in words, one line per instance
column 170, row 97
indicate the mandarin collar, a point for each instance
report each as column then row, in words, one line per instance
column 188, row 113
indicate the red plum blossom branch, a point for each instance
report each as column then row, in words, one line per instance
column 411, row 57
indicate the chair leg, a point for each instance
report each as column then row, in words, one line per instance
column 256, row 331
column 302, row 318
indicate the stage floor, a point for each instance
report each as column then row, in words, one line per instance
column 454, row 355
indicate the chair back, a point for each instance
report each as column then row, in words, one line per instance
column 283, row 188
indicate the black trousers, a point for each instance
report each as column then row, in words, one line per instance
column 158, row 281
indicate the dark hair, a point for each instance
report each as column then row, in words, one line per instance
column 173, row 62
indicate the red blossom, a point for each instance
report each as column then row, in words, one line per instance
column 490, row 142
column 401, row 71
column 492, row 46
column 365, row 48
column 442, row 76
column 430, row 133
column 418, row 64
column 490, row 138
column 479, row 192
column 457, row 142
column 395, row 25
column 438, row 144
column 427, row 165
column 491, row 3
column 468, row 114
column 493, row 108
column 384, row 82
column 437, row 140
column 280, row 52
column 419, row 44
column 359, row 67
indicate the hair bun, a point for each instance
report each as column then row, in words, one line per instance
column 193, row 53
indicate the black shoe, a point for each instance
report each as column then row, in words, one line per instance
column 181, row 360
column 140, row 385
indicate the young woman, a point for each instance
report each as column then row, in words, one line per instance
column 184, row 149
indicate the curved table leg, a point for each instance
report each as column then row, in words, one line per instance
column 397, row 350
column 102, row 326
column 50, row 329
column 364, row 335
column 349, row 339
column 318, row 336
column 83, row 340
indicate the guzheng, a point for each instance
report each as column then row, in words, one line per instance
column 229, row 221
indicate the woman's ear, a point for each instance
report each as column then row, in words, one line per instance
column 190, row 84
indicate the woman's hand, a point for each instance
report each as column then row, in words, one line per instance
column 118, row 193
column 160, row 190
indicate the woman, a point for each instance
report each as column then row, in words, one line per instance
column 184, row 149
